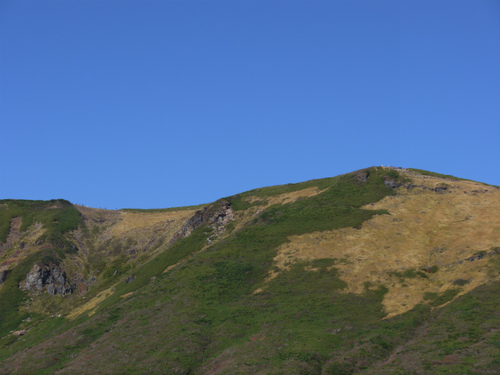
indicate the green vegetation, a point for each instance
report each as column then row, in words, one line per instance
column 217, row 312
column 239, row 201
column 461, row 282
column 408, row 274
column 392, row 173
column 468, row 321
column 12, row 297
column 57, row 216
column 436, row 299
column 211, row 294
column 145, row 273
column 433, row 269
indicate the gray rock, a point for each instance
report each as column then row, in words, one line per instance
column 390, row 183
column 48, row 277
column 130, row 279
column 51, row 289
column 61, row 289
column 218, row 214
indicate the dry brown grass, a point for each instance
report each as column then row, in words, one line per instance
column 241, row 218
column 146, row 229
column 142, row 227
column 90, row 305
column 138, row 221
column 287, row 197
column 14, row 253
column 127, row 223
column 424, row 228
column 127, row 295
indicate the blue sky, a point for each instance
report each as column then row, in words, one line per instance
column 152, row 104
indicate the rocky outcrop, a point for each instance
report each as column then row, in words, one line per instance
column 47, row 277
column 393, row 184
column 129, row 279
column 439, row 189
column 363, row 176
column 218, row 214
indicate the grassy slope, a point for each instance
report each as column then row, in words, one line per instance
column 58, row 217
column 425, row 229
column 202, row 317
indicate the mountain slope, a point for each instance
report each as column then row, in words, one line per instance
column 377, row 271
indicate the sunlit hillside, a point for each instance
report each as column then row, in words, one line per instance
column 379, row 271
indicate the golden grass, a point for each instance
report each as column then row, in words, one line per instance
column 424, row 228
column 135, row 221
column 14, row 254
column 142, row 228
column 139, row 225
column 293, row 196
column 91, row 305
column 241, row 218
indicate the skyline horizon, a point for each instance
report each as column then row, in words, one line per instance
column 166, row 104
column 219, row 198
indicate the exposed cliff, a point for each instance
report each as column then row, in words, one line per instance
column 47, row 277
column 216, row 215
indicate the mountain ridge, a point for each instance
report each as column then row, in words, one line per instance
column 289, row 264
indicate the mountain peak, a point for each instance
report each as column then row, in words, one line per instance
column 345, row 274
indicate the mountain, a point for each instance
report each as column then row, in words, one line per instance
column 379, row 271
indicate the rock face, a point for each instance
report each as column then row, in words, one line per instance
column 48, row 277
column 391, row 183
column 217, row 214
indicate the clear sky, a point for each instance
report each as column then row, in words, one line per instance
column 153, row 104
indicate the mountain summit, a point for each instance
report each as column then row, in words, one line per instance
column 379, row 271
